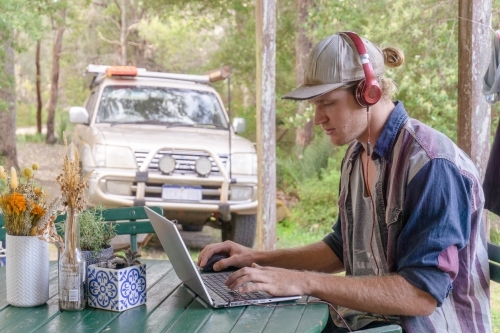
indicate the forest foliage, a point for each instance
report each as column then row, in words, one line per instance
column 188, row 36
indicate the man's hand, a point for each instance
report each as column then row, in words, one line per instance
column 239, row 255
column 275, row 281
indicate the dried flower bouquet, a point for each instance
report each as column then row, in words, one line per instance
column 28, row 213
column 26, row 207
column 72, row 268
column 73, row 187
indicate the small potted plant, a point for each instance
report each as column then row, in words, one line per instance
column 95, row 236
column 117, row 283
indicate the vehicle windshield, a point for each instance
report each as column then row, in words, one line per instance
column 160, row 105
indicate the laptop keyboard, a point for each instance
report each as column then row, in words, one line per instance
column 215, row 282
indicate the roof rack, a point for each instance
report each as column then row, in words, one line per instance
column 131, row 71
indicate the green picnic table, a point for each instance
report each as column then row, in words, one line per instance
column 170, row 307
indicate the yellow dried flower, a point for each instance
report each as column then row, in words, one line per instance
column 72, row 183
column 13, row 178
column 37, row 210
column 28, row 172
column 15, row 203
column 24, row 206
column 35, row 166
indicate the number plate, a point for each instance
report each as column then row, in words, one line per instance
column 187, row 193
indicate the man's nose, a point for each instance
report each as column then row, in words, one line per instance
column 319, row 117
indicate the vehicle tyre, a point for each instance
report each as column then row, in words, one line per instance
column 192, row 227
column 241, row 229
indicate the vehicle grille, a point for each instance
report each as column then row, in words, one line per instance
column 185, row 160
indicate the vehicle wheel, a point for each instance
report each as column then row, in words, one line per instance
column 241, row 229
column 192, row 227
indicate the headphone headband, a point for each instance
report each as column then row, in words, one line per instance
column 368, row 91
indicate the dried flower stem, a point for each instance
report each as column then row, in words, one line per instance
column 73, row 187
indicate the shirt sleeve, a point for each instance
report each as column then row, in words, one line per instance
column 334, row 241
column 436, row 219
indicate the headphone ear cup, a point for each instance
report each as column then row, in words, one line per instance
column 367, row 95
column 359, row 94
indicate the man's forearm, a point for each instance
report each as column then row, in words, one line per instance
column 386, row 295
column 315, row 257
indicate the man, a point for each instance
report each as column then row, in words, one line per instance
column 410, row 234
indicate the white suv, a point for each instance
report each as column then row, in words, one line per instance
column 160, row 139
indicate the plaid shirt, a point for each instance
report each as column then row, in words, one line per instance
column 429, row 207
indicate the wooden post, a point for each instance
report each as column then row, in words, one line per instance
column 265, row 49
column 474, row 52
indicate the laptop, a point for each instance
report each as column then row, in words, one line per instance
column 209, row 286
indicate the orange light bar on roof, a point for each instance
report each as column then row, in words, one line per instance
column 121, row 71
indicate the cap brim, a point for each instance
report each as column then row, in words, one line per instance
column 308, row 91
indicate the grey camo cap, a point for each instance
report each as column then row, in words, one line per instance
column 333, row 62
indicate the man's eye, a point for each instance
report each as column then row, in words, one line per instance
column 327, row 103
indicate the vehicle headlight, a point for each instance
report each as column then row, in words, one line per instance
column 100, row 155
column 240, row 193
column 203, row 166
column 114, row 157
column 244, row 163
column 166, row 164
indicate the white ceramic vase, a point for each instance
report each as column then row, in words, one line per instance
column 27, row 271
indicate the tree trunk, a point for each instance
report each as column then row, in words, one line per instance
column 265, row 52
column 474, row 113
column 123, row 33
column 56, row 54
column 38, row 89
column 8, row 149
column 303, row 134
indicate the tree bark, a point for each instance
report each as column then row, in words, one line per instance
column 265, row 24
column 303, row 134
column 8, row 149
column 56, row 54
column 474, row 113
column 38, row 89
column 123, row 32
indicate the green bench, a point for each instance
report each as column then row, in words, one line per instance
column 128, row 221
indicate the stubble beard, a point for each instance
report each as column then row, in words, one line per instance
column 347, row 136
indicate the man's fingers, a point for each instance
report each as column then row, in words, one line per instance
column 206, row 253
column 238, row 278
column 212, row 249
column 221, row 264
column 246, row 275
column 252, row 287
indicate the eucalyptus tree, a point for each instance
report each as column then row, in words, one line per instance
column 304, row 133
column 15, row 16
column 58, row 19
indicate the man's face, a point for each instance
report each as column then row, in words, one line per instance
column 340, row 116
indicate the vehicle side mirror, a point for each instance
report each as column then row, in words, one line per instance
column 239, row 125
column 78, row 115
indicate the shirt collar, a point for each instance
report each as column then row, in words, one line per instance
column 385, row 142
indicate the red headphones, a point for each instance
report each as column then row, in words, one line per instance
column 368, row 90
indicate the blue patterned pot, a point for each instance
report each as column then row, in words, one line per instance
column 116, row 289
column 94, row 257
